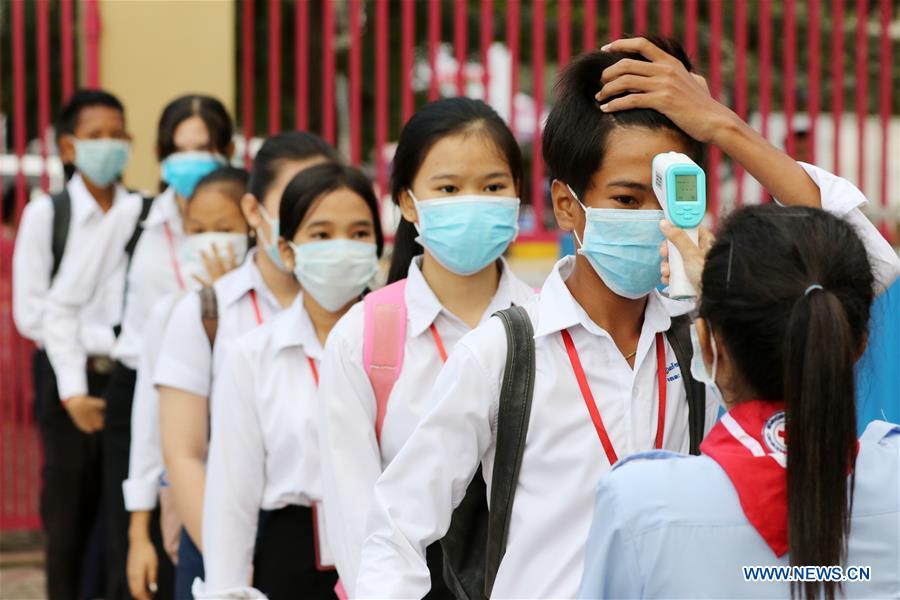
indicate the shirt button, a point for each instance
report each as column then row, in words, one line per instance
column 637, row 391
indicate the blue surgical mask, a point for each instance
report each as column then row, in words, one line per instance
column 183, row 170
column 334, row 272
column 467, row 233
column 103, row 160
column 622, row 245
column 271, row 245
column 698, row 367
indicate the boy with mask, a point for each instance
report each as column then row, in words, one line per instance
column 54, row 231
column 608, row 381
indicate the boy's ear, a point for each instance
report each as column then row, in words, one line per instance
column 566, row 208
column 66, row 145
column 250, row 208
column 408, row 207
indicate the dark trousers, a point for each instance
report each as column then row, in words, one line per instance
column 190, row 566
column 116, row 443
column 71, row 486
column 284, row 563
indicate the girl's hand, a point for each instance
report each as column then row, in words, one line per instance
column 216, row 265
column 693, row 255
column 142, row 568
column 664, row 85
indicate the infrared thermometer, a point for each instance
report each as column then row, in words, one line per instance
column 680, row 187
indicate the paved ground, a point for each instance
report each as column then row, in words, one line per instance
column 22, row 575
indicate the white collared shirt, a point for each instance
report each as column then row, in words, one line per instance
column 264, row 450
column 185, row 360
column 352, row 459
column 563, row 459
column 145, row 462
column 77, row 314
column 152, row 274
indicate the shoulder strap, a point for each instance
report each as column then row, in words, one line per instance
column 384, row 338
column 62, row 214
column 512, row 429
column 209, row 313
column 139, row 227
column 679, row 336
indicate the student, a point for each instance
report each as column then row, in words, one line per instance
column 782, row 479
column 194, row 137
column 196, row 341
column 263, row 452
column 54, row 234
column 216, row 241
column 599, row 321
column 456, row 177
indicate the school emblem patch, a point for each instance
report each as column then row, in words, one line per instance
column 773, row 433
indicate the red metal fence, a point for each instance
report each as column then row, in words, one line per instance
column 355, row 70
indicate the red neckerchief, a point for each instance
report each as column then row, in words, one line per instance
column 748, row 443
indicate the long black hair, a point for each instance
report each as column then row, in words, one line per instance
column 287, row 146
column 309, row 185
column 424, row 129
column 798, row 344
column 575, row 136
column 211, row 112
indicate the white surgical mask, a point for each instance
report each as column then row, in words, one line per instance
column 271, row 245
column 698, row 367
column 334, row 272
column 191, row 260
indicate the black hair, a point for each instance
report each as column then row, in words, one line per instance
column 67, row 121
column 576, row 133
column 309, row 185
column 232, row 179
column 426, row 127
column 211, row 112
column 796, row 344
column 291, row 145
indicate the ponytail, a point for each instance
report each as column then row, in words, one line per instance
column 405, row 249
column 821, row 433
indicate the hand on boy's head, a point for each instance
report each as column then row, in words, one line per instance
column 693, row 255
column 662, row 84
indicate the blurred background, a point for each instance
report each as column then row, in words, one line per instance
column 819, row 78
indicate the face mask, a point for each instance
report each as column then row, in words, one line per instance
column 183, row 170
column 191, row 260
column 271, row 246
column 334, row 272
column 698, row 367
column 101, row 161
column 467, row 233
column 622, row 246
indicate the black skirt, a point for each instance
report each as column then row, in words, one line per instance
column 284, row 563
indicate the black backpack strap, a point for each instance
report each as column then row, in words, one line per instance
column 512, row 429
column 139, row 227
column 679, row 336
column 209, row 313
column 62, row 215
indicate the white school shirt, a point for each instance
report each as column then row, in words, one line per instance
column 185, row 360
column 149, row 278
column 671, row 526
column 33, row 262
column 563, row 458
column 145, row 462
column 352, row 459
column 264, row 448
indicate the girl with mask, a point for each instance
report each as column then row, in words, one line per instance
column 202, row 328
column 782, row 479
column 456, row 177
column 217, row 238
column 146, row 244
column 264, row 453
column 612, row 372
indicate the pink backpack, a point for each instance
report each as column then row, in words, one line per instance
column 384, row 337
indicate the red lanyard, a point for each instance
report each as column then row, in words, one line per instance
column 171, row 240
column 256, row 311
column 438, row 342
column 592, row 406
column 315, row 371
